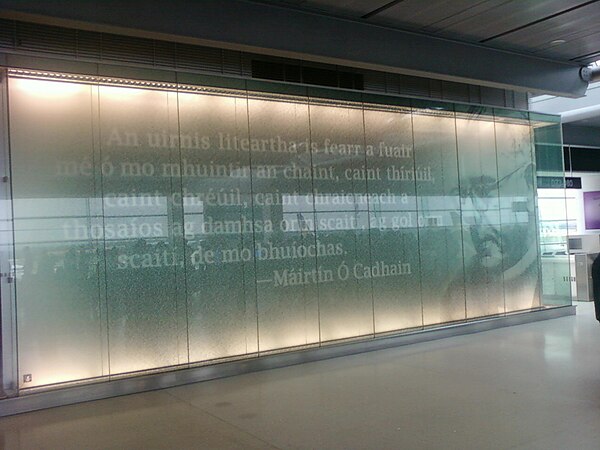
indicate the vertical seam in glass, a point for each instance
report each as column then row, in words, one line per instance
column 460, row 210
column 103, row 227
column 355, row 233
column 536, row 218
column 97, row 242
column 368, row 216
column 245, row 276
column 182, row 242
column 418, row 226
column 314, row 214
column 253, row 221
column 499, row 208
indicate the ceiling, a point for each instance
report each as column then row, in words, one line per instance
column 583, row 111
column 566, row 30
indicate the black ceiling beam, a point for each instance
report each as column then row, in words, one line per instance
column 279, row 31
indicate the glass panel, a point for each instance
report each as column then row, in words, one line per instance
column 57, row 272
column 345, row 300
column 482, row 241
column 440, row 243
column 552, row 211
column 285, row 241
column 390, row 177
column 215, row 171
column 139, row 142
column 520, row 258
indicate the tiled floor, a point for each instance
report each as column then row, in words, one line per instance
column 533, row 386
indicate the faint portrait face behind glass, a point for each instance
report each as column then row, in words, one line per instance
column 500, row 224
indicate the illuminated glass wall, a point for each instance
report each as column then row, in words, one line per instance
column 170, row 226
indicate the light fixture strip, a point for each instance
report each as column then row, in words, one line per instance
column 208, row 90
column 116, row 81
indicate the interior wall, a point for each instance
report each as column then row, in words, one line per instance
column 160, row 227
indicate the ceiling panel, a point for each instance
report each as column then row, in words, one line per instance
column 487, row 20
column 583, row 44
column 344, row 8
column 584, row 21
column 418, row 14
column 526, row 26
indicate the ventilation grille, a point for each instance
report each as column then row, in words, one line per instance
column 23, row 37
column 443, row 90
column 29, row 38
column 306, row 74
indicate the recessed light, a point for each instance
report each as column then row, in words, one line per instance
column 557, row 42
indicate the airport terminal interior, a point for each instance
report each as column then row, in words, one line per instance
column 299, row 224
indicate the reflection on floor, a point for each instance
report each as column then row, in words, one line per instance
column 534, row 386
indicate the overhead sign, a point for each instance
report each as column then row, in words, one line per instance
column 559, row 182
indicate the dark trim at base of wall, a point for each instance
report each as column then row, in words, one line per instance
column 125, row 386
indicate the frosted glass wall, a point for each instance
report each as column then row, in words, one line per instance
column 163, row 228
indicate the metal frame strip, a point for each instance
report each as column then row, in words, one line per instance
column 8, row 372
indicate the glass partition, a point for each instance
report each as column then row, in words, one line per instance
column 161, row 226
column 391, row 177
column 139, row 144
column 552, row 208
column 342, row 217
column 214, row 177
column 518, row 226
column 62, row 333
column 285, row 242
column 440, row 232
column 480, row 207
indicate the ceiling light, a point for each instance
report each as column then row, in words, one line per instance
column 557, row 42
